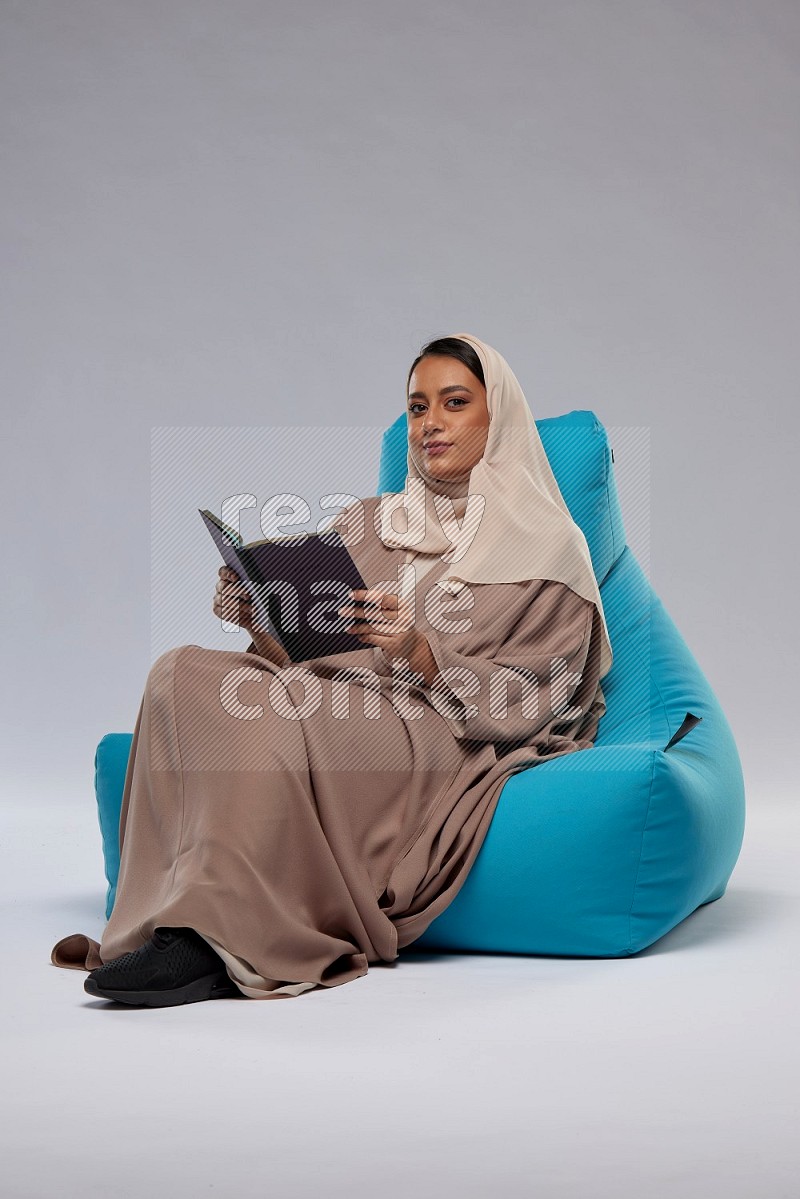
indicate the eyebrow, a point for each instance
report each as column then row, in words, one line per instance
column 420, row 395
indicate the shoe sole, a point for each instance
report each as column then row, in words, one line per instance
column 211, row 986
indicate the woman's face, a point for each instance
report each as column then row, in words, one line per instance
column 446, row 404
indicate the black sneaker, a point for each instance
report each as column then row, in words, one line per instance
column 175, row 966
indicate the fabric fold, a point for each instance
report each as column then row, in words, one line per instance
column 76, row 952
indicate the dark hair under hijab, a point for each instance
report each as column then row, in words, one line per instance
column 451, row 347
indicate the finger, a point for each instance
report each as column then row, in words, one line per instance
column 231, row 606
column 371, row 617
column 230, row 603
column 224, row 587
column 378, row 601
column 370, row 596
column 368, row 601
column 237, row 592
column 234, row 603
column 356, row 613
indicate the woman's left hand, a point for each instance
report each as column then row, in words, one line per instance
column 384, row 619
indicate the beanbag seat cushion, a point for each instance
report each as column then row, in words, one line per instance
column 603, row 851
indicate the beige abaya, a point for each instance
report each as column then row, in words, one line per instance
column 307, row 832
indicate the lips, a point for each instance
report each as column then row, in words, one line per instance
column 436, row 447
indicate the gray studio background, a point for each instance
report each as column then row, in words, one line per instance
column 251, row 215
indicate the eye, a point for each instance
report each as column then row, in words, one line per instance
column 418, row 404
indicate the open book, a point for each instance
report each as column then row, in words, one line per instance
column 296, row 586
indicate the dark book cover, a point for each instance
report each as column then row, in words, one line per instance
column 297, row 586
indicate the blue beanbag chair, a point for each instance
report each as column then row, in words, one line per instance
column 601, row 852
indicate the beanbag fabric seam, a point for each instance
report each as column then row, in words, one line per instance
column 629, row 949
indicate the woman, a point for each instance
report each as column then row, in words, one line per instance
column 271, row 845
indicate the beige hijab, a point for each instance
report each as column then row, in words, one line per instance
column 519, row 525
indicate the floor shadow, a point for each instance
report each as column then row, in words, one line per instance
column 89, row 905
column 740, row 912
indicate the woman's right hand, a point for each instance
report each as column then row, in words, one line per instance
column 233, row 602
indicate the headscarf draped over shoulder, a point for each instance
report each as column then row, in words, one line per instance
column 517, row 524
